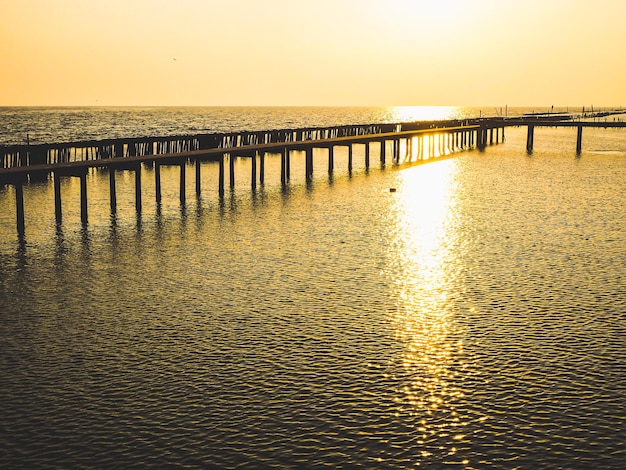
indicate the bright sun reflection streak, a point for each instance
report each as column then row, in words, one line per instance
column 423, row 113
column 424, row 267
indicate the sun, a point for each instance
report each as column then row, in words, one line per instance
column 427, row 9
column 428, row 19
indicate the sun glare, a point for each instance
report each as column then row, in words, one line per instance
column 423, row 267
column 422, row 113
column 431, row 9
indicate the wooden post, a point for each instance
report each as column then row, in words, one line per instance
column 383, row 151
column 309, row 163
column 530, row 139
column 331, row 159
column 253, row 171
column 183, row 183
column 283, row 166
column 138, row 189
column 19, row 207
column 262, row 167
column 83, row 198
column 232, row 169
column 350, row 158
column 157, row 181
column 112, row 190
column 198, row 179
column 287, row 165
column 220, row 184
column 579, row 140
column 481, row 137
column 367, row 155
column 57, row 198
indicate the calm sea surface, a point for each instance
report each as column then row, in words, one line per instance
column 474, row 318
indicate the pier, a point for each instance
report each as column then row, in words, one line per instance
column 396, row 143
column 530, row 139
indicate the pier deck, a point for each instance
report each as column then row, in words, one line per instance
column 215, row 154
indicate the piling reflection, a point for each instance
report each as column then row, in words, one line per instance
column 424, row 264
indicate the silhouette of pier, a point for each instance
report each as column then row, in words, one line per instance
column 396, row 142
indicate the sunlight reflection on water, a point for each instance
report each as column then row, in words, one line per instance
column 425, row 113
column 423, row 272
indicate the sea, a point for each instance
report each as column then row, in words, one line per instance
column 466, row 311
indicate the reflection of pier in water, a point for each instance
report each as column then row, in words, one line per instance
column 398, row 142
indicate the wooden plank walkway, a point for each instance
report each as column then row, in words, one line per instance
column 215, row 154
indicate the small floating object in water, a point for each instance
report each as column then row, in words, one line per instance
column 392, row 190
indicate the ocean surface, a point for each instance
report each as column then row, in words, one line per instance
column 473, row 318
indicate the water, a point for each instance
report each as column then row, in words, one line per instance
column 472, row 319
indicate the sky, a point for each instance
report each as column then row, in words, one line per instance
column 312, row 52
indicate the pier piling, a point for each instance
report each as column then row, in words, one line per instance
column 112, row 191
column 198, row 179
column 83, row 197
column 19, row 207
column 283, row 167
column 579, row 140
column 262, row 167
column 138, row 189
column 220, row 182
column 57, row 197
column 349, row 158
column 253, row 171
column 231, row 164
column 309, row 163
column 157, row 181
column 183, row 178
column 530, row 138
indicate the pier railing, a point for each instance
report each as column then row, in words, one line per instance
column 55, row 153
column 58, row 153
column 50, row 154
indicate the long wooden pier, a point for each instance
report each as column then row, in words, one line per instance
column 450, row 137
column 423, row 139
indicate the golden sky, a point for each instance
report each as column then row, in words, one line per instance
column 313, row 52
